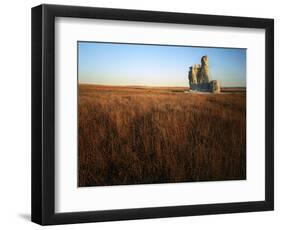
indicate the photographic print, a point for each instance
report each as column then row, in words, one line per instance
column 150, row 114
column 146, row 114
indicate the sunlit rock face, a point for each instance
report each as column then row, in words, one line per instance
column 215, row 86
column 199, row 78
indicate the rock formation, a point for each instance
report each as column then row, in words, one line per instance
column 215, row 86
column 199, row 78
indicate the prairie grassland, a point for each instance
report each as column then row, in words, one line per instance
column 138, row 135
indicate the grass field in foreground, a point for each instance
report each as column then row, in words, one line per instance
column 143, row 135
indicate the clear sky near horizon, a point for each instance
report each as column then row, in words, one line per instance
column 156, row 65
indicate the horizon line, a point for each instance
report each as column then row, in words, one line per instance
column 90, row 83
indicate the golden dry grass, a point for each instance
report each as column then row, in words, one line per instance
column 138, row 135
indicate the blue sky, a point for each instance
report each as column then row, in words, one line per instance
column 154, row 65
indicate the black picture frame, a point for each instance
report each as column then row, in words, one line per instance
column 43, row 114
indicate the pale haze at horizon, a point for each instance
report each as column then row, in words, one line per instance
column 156, row 65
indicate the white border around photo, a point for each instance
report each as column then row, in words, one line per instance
column 70, row 198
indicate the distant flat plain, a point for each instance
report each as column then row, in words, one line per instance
column 143, row 135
